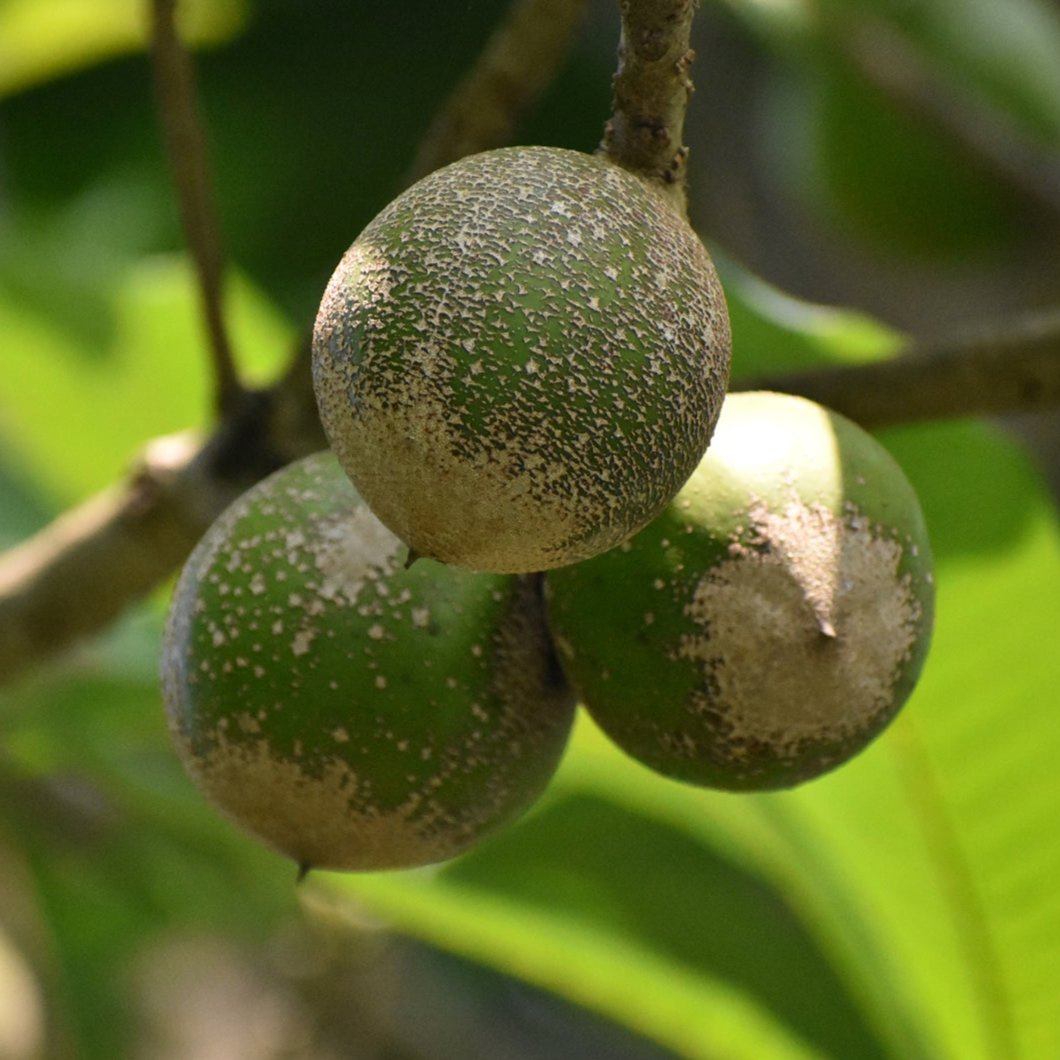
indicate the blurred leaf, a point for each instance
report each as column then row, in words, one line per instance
column 42, row 39
column 578, row 937
column 879, row 169
column 149, row 378
column 123, row 847
column 895, row 180
column 65, row 262
column 1010, row 53
column 775, row 332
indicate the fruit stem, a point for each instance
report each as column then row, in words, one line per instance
column 651, row 92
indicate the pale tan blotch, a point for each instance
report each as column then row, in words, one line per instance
column 326, row 818
column 350, row 552
column 760, row 616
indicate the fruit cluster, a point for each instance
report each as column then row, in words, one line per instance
column 372, row 659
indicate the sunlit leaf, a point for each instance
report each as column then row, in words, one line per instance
column 41, row 39
column 149, row 377
column 774, row 332
column 579, row 937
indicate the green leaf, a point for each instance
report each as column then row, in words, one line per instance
column 878, row 169
column 774, row 332
column 895, row 180
column 144, row 375
column 1009, row 54
column 577, row 935
column 42, row 39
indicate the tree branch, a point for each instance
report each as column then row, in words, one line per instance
column 80, row 572
column 515, row 67
column 651, row 91
column 186, row 147
column 991, row 373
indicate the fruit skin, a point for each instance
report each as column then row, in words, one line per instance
column 352, row 713
column 775, row 616
column 521, row 359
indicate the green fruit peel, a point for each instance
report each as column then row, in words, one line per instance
column 349, row 711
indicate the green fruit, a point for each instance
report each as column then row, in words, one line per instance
column 521, row 359
column 352, row 713
column 774, row 617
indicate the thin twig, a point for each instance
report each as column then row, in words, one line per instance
column 514, row 69
column 186, row 146
column 651, row 92
column 990, row 373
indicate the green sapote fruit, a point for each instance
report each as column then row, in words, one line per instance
column 772, row 620
column 521, row 359
column 352, row 713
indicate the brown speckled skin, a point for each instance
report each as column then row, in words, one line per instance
column 521, row 359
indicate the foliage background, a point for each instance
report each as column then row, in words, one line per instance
column 904, row 907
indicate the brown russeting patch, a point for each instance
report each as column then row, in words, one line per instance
column 802, row 633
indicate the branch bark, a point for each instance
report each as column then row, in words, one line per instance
column 79, row 573
column 652, row 88
column 991, row 373
column 515, row 67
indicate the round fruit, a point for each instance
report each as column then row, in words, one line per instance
column 774, row 617
column 352, row 713
column 521, row 359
